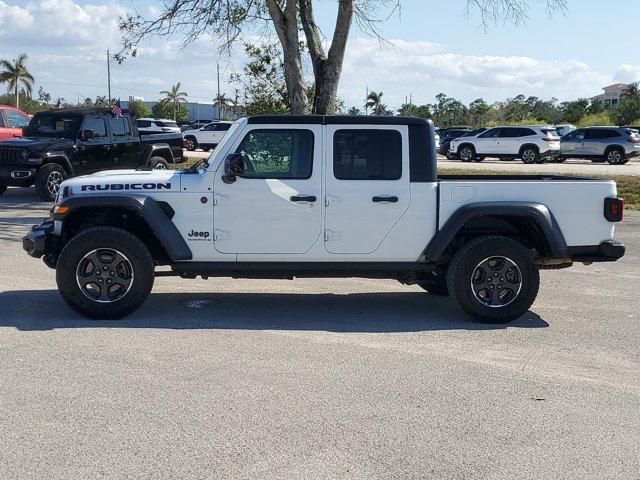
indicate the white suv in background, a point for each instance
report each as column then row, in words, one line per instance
column 206, row 137
column 531, row 144
column 147, row 126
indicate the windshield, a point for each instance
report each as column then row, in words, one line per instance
column 54, row 124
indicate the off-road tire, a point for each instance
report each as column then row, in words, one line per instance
column 105, row 238
column 44, row 189
column 158, row 163
column 191, row 143
column 471, row 256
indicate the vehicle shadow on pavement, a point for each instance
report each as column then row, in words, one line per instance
column 357, row 312
column 20, row 208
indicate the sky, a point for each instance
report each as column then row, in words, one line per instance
column 432, row 47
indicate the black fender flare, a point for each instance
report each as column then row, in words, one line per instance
column 535, row 212
column 159, row 149
column 146, row 208
column 60, row 158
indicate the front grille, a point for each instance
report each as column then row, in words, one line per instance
column 10, row 155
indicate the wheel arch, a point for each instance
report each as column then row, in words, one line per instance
column 61, row 159
column 531, row 223
column 157, row 150
column 528, row 145
column 148, row 219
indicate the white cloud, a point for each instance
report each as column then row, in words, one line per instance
column 60, row 23
column 425, row 69
column 627, row 74
column 66, row 42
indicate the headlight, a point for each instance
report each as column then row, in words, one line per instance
column 24, row 154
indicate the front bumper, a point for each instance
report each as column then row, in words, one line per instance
column 36, row 241
column 17, row 176
column 608, row 251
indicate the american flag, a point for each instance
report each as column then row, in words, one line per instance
column 59, row 104
column 116, row 110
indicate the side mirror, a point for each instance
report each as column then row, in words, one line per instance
column 234, row 165
column 86, row 134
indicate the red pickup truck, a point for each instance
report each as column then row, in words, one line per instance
column 11, row 122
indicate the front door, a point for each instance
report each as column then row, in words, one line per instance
column 571, row 144
column 487, row 142
column 273, row 207
column 94, row 151
column 367, row 186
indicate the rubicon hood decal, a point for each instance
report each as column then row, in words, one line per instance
column 127, row 186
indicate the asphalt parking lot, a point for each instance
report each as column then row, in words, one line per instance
column 317, row 379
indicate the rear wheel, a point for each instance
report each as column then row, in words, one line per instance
column 493, row 279
column 615, row 156
column 48, row 181
column 105, row 273
column 467, row 153
column 530, row 155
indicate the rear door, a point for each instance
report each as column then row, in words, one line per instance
column 124, row 146
column 273, row 207
column 596, row 140
column 367, row 185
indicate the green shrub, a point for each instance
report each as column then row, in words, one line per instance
column 596, row 119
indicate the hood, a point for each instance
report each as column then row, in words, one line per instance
column 38, row 143
column 125, row 181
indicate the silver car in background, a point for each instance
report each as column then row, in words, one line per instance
column 615, row 145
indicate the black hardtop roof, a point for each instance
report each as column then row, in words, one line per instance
column 336, row 120
column 83, row 111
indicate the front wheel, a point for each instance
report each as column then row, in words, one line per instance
column 190, row 143
column 105, row 273
column 48, row 181
column 494, row 279
column 467, row 154
column 158, row 163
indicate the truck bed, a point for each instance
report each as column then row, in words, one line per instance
column 576, row 203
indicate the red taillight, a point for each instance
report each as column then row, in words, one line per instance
column 634, row 140
column 614, row 209
column 551, row 139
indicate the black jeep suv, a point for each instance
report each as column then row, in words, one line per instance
column 62, row 143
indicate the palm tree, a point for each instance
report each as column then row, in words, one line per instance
column 101, row 101
column 15, row 75
column 374, row 101
column 354, row 111
column 631, row 91
column 175, row 98
column 224, row 104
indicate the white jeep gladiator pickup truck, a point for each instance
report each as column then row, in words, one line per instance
column 323, row 196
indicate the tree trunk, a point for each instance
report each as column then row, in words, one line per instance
column 326, row 68
column 286, row 26
column 17, row 93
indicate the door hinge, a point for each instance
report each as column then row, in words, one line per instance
column 331, row 200
column 221, row 235
column 218, row 198
column 330, row 235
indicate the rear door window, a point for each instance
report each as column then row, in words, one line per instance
column 119, row 127
column 97, row 126
column 367, row 154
